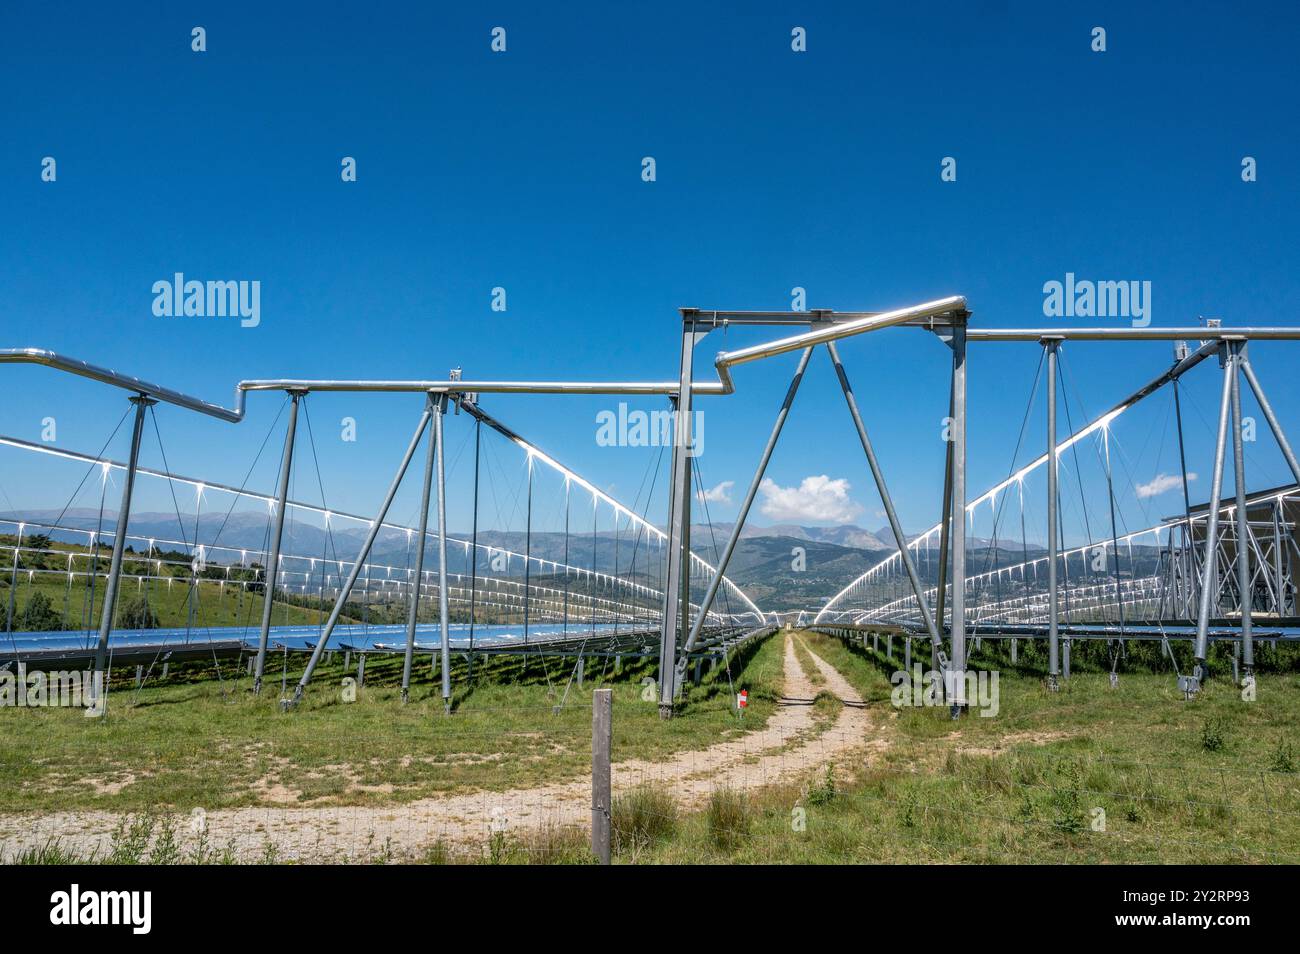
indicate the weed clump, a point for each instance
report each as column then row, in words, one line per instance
column 1214, row 734
column 641, row 817
column 1283, row 759
column 823, row 791
column 728, row 818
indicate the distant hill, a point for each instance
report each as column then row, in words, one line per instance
column 844, row 536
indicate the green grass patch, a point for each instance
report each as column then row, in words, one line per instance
column 198, row 741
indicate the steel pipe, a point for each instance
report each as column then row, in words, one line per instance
column 60, row 362
column 413, row 610
column 1053, row 541
column 273, row 558
column 1134, row 334
column 99, row 685
column 1209, row 567
column 1243, row 517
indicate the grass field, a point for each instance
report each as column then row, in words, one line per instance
column 170, row 601
column 197, row 741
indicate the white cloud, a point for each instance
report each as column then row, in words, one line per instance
column 719, row 494
column 1163, row 483
column 816, row 498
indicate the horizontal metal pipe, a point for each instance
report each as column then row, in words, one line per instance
column 52, row 359
column 482, row 387
column 1131, row 334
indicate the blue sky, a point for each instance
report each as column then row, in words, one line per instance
column 522, row 170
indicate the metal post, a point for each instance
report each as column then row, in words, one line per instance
column 1243, row 527
column 678, row 582
column 13, row 583
column 1182, row 458
column 441, row 409
column 602, row 740
column 98, row 688
column 273, row 557
column 1279, row 584
column 1210, row 563
column 413, row 610
column 958, row 661
column 716, row 583
column 900, row 538
column 668, row 602
column 945, row 532
column 1053, row 544
column 528, row 548
column 346, row 590
column 473, row 565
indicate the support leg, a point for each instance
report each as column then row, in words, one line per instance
column 1053, row 543
column 273, row 557
column 98, row 687
column 958, row 662
column 413, row 610
column 1209, row 581
column 1247, row 648
column 443, row 618
column 678, row 551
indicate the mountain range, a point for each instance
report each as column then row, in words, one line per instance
column 785, row 566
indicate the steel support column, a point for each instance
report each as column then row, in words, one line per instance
column 414, row 608
column 1209, row 566
column 439, row 411
column 677, row 586
column 99, row 682
column 277, row 535
column 958, row 662
column 1053, row 543
column 1243, row 529
column 945, row 531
